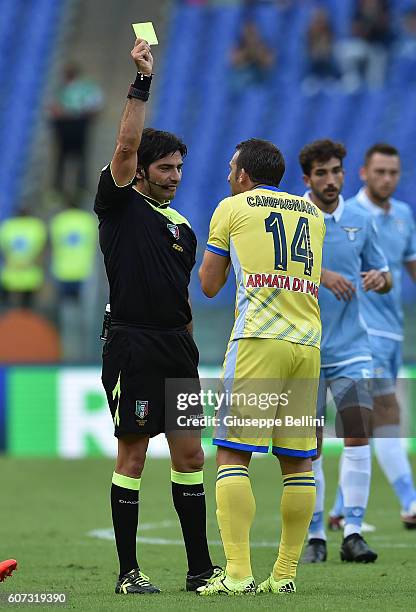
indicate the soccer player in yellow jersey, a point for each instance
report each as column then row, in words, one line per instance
column 274, row 242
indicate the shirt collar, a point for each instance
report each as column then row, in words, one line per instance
column 269, row 187
column 337, row 214
column 364, row 200
column 154, row 202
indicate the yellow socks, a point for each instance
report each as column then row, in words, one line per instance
column 297, row 506
column 235, row 513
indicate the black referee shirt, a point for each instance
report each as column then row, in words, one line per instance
column 149, row 253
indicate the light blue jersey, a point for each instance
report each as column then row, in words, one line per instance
column 351, row 246
column 383, row 314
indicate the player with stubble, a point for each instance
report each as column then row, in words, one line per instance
column 149, row 252
column 352, row 262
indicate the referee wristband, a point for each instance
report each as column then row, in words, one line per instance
column 140, row 89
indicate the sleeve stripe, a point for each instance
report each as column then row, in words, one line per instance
column 217, row 250
column 385, row 269
column 410, row 258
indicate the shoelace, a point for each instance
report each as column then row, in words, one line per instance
column 214, row 580
column 139, row 579
column 142, row 580
column 217, row 573
column 220, row 578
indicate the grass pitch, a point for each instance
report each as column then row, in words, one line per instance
column 52, row 511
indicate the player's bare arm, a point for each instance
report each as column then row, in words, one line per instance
column 341, row 287
column 411, row 268
column 124, row 162
column 213, row 273
column 374, row 280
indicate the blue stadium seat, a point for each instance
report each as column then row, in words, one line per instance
column 341, row 14
column 37, row 21
column 213, row 117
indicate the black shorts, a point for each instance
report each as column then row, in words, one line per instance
column 136, row 364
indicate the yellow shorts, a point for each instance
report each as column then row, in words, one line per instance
column 269, row 390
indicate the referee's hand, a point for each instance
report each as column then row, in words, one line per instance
column 142, row 57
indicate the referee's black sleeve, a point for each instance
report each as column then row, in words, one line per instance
column 109, row 194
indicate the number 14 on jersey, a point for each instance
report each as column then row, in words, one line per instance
column 300, row 248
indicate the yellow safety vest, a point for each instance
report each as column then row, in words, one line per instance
column 22, row 240
column 74, row 241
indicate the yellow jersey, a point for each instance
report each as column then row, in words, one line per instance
column 274, row 240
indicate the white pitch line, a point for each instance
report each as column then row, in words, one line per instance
column 159, row 525
column 108, row 534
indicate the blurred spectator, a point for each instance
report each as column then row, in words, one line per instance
column 406, row 49
column 251, row 59
column 364, row 56
column 22, row 243
column 76, row 104
column 322, row 69
column 73, row 250
column 73, row 241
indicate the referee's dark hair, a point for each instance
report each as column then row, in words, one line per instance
column 383, row 148
column 320, row 151
column 156, row 144
column 262, row 161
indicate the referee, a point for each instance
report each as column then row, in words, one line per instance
column 149, row 252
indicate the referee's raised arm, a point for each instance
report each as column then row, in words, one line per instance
column 124, row 162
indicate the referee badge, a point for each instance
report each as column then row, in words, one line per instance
column 142, row 408
column 174, row 229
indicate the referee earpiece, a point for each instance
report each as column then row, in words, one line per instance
column 142, row 174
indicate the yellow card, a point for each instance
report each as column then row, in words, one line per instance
column 146, row 31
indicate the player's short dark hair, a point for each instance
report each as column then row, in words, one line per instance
column 262, row 160
column 383, row 148
column 320, row 151
column 156, row 144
